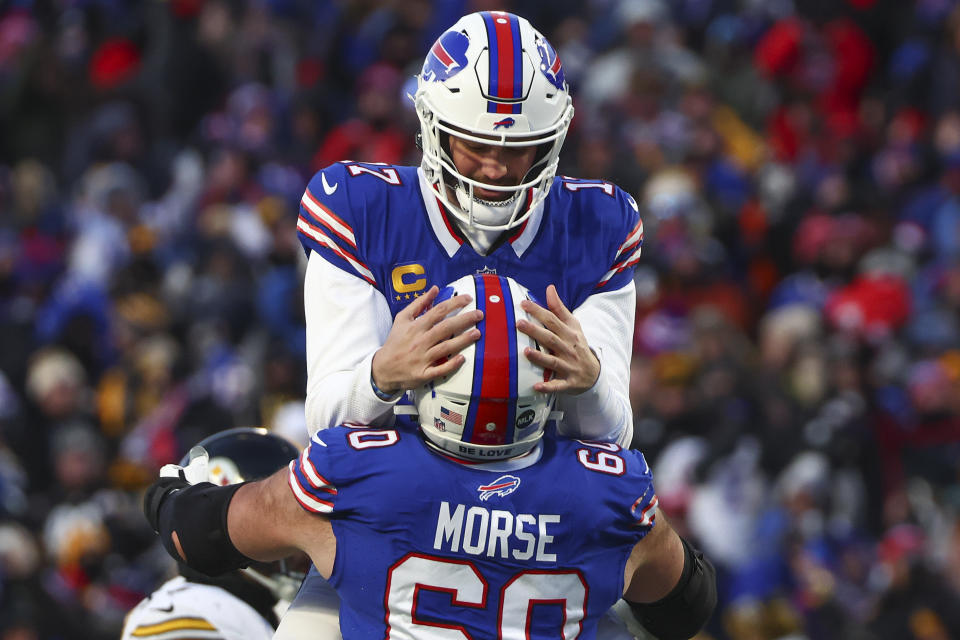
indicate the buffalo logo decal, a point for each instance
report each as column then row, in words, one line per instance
column 502, row 486
column 550, row 64
column 447, row 57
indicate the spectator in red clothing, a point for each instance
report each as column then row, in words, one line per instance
column 375, row 134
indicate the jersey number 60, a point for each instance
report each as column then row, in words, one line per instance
column 468, row 588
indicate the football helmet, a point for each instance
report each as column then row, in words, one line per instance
column 488, row 409
column 493, row 79
column 251, row 453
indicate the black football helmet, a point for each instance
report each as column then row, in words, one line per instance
column 251, row 453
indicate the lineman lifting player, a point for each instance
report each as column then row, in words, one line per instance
column 423, row 538
column 494, row 109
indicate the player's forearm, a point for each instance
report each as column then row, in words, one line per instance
column 347, row 321
column 258, row 520
column 265, row 522
column 598, row 414
column 345, row 397
column 217, row 529
column 603, row 412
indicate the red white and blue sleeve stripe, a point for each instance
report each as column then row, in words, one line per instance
column 321, row 228
column 311, row 489
column 644, row 509
column 628, row 255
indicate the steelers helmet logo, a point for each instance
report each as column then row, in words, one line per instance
column 223, row 472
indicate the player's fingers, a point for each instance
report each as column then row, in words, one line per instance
column 171, row 470
column 197, row 470
column 544, row 360
column 419, row 304
column 453, row 346
column 546, row 317
column 556, row 385
column 454, row 325
column 544, row 336
column 534, row 330
column 452, row 305
column 444, row 368
column 555, row 304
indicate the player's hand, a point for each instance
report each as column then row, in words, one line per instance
column 424, row 343
column 197, row 470
column 575, row 366
column 156, row 494
column 172, row 478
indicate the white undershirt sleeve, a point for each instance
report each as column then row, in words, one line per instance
column 603, row 412
column 347, row 321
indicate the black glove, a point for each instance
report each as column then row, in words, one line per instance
column 156, row 494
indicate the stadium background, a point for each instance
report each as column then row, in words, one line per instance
column 796, row 377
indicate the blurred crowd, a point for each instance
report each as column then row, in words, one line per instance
column 796, row 377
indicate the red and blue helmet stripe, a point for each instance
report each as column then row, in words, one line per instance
column 505, row 82
column 495, row 393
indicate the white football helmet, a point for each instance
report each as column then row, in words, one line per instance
column 488, row 409
column 494, row 79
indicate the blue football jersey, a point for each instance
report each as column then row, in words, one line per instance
column 427, row 544
column 384, row 223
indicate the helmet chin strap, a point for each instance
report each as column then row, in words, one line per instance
column 489, row 212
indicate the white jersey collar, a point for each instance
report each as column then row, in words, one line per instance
column 451, row 242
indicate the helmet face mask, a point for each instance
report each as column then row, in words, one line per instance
column 488, row 409
column 492, row 79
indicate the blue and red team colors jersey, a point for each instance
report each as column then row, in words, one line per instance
column 384, row 224
column 426, row 544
